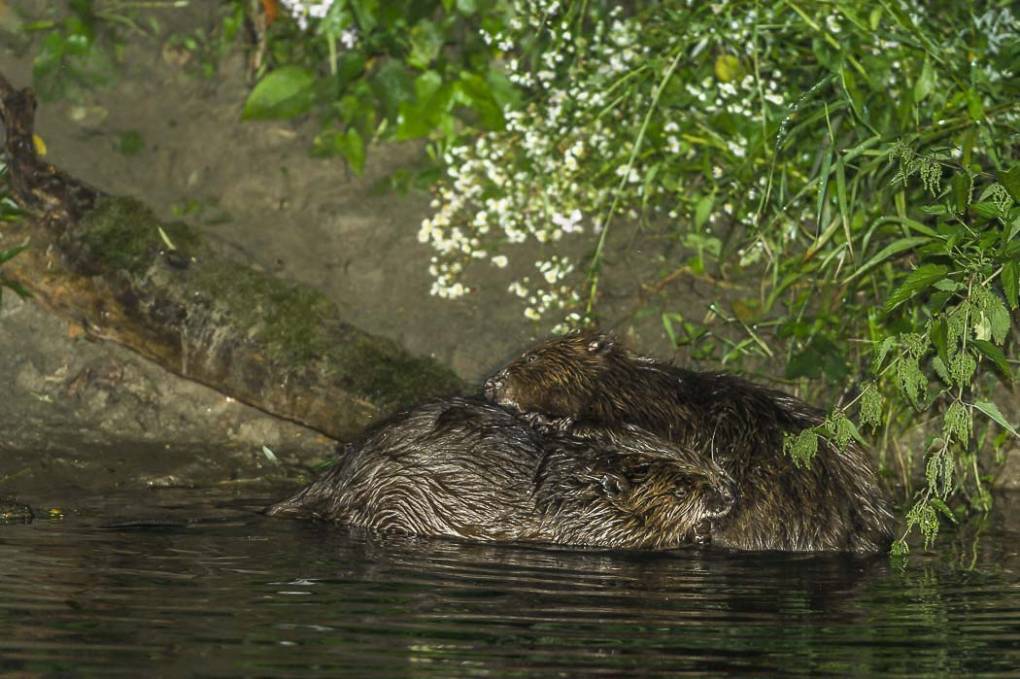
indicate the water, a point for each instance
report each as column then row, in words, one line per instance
column 219, row 590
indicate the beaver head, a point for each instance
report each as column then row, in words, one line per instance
column 560, row 377
column 677, row 503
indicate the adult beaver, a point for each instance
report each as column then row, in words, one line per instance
column 469, row 469
column 586, row 384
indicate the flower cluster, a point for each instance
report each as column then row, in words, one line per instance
column 303, row 10
column 608, row 129
column 308, row 12
column 532, row 184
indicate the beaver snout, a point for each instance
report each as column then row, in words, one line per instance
column 720, row 501
column 494, row 386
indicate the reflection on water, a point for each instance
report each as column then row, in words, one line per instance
column 202, row 584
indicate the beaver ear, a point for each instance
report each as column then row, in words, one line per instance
column 601, row 344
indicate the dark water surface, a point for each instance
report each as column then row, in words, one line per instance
column 219, row 590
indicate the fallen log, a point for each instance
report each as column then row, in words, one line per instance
column 108, row 264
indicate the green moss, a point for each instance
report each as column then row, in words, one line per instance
column 299, row 324
column 386, row 373
column 289, row 317
column 124, row 234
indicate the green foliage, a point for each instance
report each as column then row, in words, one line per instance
column 861, row 162
column 76, row 51
column 284, row 93
column 373, row 70
column 801, row 447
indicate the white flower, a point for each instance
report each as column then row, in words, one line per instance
column 349, row 38
column 500, row 261
column 569, row 224
column 303, row 10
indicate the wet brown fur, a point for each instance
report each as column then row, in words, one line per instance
column 588, row 385
column 469, row 469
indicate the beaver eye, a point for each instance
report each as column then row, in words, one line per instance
column 531, row 358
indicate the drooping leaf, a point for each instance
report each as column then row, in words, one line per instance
column 917, row 280
column 284, row 93
column 479, row 96
column 993, row 412
column 8, row 255
column 352, row 148
column 995, row 355
column 703, row 210
column 999, row 319
column 1010, row 279
column 925, row 82
column 894, row 248
column 1011, row 180
column 881, row 352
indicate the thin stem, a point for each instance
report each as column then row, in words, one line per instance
column 596, row 264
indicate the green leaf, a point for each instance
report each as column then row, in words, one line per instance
column 18, row 288
column 852, row 92
column 943, row 508
column 940, row 338
column 1010, row 279
column 703, row 210
column 974, row 106
column 881, row 352
column 364, row 12
column 823, row 186
column 844, row 211
column 480, row 97
column 992, row 411
column 999, row 319
column 917, row 280
column 393, row 85
column 995, row 355
column 1011, row 180
column 941, row 370
column 352, row 148
column 426, row 41
column 962, row 184
column 894, row 248
column 429, row 111
column 925, row 82
column 8, row 255
column 284, row 93
column 987, row 209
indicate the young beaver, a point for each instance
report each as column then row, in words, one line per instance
column 585, row 384
column 470, row 469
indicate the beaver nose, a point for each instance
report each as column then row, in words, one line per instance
column 721, row 501
column 493, row 385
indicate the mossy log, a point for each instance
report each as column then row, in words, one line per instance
column 109, row 265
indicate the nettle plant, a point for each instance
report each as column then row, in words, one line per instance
column 859, row 163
